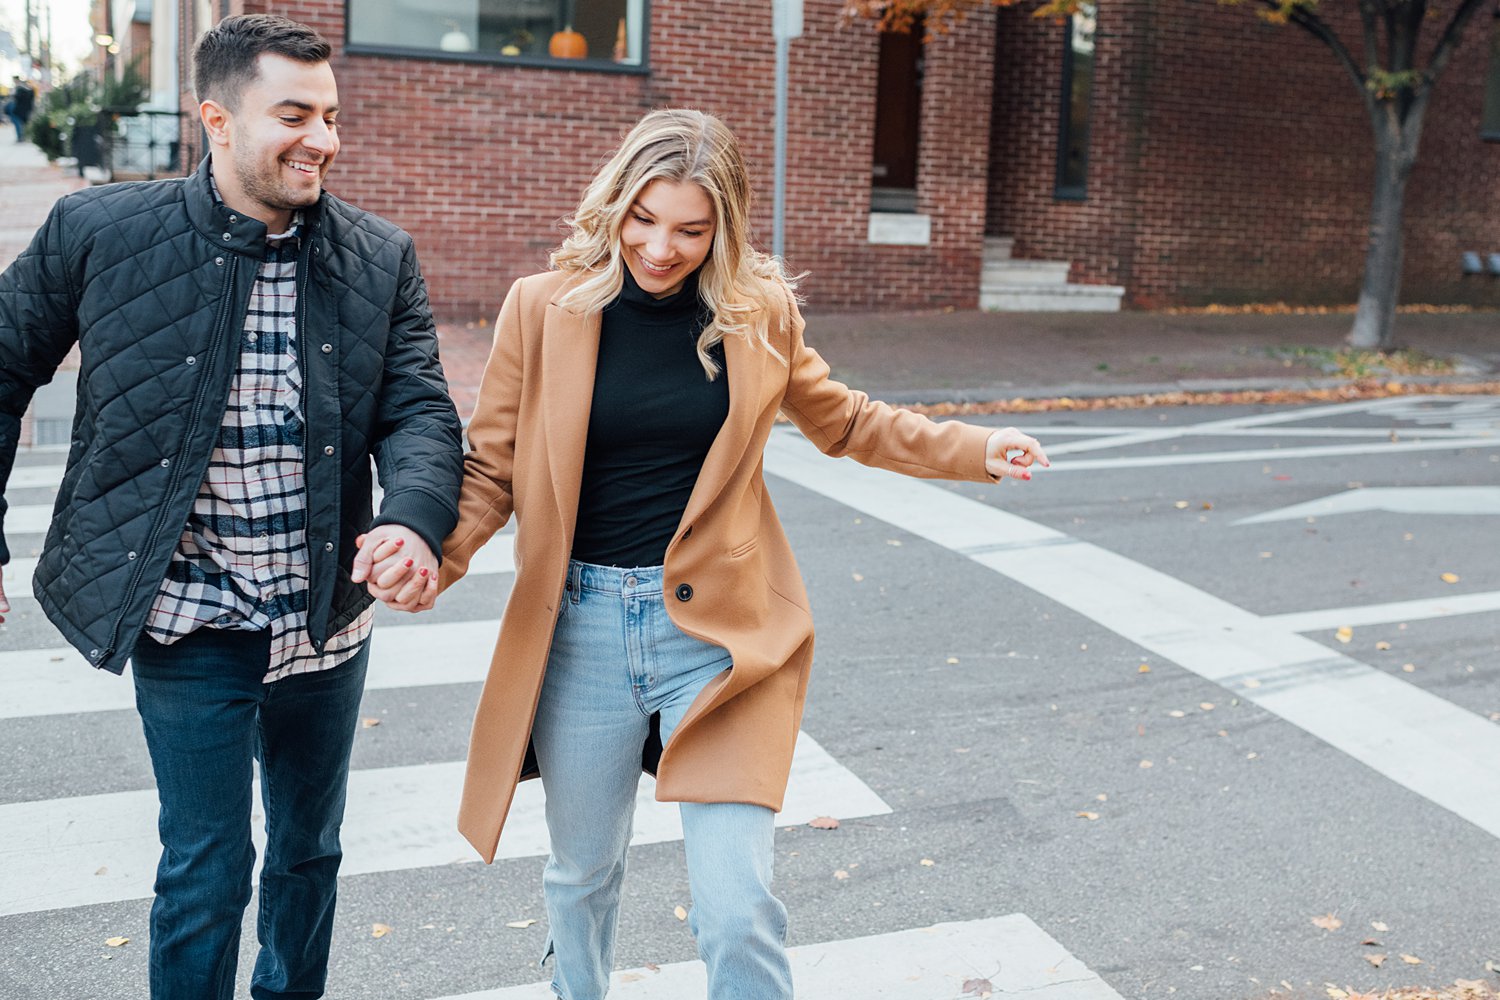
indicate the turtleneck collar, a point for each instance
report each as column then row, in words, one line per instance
column 683, row 302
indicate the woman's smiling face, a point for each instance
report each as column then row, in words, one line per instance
column 668, row 233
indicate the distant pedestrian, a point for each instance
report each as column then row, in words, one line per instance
column 248, row 344
column 657, row 616
column 19, row 106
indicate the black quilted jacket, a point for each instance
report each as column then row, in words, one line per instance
column 152, row 280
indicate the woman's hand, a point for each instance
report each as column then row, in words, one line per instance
column 1009, row 454
column 397, row 568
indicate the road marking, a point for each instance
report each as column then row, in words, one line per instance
column 93, row 849
column 1265, row 454
column 59, row 681
column 1394, row 499
column 1432, row 747
column 35, row 477
column 28, row 519
column 1012, row 953
column 497, row 556
column 1384, row 614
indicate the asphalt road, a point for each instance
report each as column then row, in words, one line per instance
column 1106, row 705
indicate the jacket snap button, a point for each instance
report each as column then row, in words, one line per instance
column 684, row 592
column 328, row 450
column 327, row 348
column 219, row 261
column 93, row 654
column 130, row 555
column 192, row 360
column 226, row 237
column 234, row 218
column 327, row 546
column 166, row 463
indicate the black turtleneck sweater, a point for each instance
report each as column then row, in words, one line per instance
column 655, row 414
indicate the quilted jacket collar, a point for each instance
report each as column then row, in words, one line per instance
column 234, row 231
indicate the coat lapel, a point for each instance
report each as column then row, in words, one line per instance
column 570, row 353
column 746, row 363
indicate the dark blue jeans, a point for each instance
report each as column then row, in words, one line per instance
column 207, row 714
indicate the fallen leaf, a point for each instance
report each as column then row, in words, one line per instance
column 1379, row 926
column 1382, row 644
column 1102, row 797
column 1143, row 669
column 893, row 541
column 928, row 862
column 629, row 977
column 1207, row 505
column 1177, row 713
column 1181, row 505
column 652, row 967
column 1409, row 667
column 1375, row 960
column 1411, row 959
column 1337, row 994
column 1449, row 578
column 1371, row 942
column 1147, row 763
column 1252, row 683
column 978, row 987
column 1328, row 922
column 858, row 577
column 1206, row 706
column 1087, row 815
column 824, row 823
column 1265, row 555
column 1344, row 634
column 103, row 870
column 521, row 925
column 679, row 912
column 379, row 930
column 1474, row 986
column 369, row 723
column 117, row 942
column 952, row 659
column 841, row 874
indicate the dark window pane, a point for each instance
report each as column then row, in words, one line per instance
column 1490, row 123
column 1077, row 96
column 592, row 30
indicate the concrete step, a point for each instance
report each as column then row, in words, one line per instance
column 998, row 247
column 1024, row 272
column 1051, row 298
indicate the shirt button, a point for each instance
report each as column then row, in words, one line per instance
column 327, row 348
column 684, row 592
column 252, row 337
column 328, row 450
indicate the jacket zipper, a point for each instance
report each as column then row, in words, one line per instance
column 304, row 271
column 204, row 384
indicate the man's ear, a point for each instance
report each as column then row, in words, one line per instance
column 216, row 119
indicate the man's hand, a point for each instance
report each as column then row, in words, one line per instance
column 397, row 567
column 4, row 604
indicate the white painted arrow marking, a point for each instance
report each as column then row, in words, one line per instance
column 1395, row 499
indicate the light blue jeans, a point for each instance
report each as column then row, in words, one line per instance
column 616, row 660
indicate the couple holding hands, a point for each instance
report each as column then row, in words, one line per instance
column 248, row 342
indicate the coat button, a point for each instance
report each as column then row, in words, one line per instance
column 191, row 360
column 166, row 463
column 218, row 261
column 328, row 450
column 684, row 592
column 226, row 237
column 130, row 555
column 327, row 348
column 327, row 546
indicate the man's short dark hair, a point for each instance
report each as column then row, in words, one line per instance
column 224, row 60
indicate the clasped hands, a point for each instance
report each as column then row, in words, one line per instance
column 397, row 567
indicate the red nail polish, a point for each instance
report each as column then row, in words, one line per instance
column 423, row 571
column 408, row 563
column 400, row 542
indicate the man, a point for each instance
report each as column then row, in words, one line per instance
column 247, row 343
column 18, row 107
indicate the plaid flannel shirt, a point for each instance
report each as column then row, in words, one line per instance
column 242, row 561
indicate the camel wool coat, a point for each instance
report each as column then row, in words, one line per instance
column 730, row 578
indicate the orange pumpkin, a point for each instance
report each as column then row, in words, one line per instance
column 568, row 44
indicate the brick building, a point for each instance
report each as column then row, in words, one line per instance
column 1202, row 156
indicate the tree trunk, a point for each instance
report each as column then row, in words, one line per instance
column 1374, row 322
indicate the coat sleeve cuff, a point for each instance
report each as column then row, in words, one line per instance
column 423, row 513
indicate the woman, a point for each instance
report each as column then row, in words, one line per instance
column 657, row 616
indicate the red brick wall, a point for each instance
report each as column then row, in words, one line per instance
column 480, row 162
column 1231, row 162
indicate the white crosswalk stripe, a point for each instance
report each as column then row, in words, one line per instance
column 1009, row 956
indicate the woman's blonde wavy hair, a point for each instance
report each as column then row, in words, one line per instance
column 742, row 288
